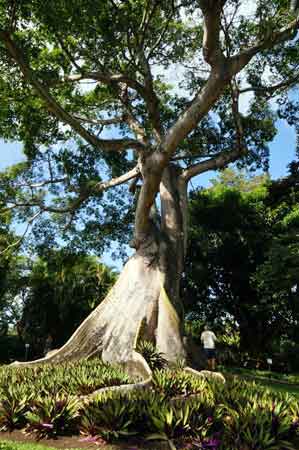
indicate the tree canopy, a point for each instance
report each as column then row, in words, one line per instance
column 244, row 268
column 92, row 89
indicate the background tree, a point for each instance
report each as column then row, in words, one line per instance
column 85, row 86
column 11, row 278
column 244, row 268
column 62, row 289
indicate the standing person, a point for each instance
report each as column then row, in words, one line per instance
column 48, row 344
column 208, row 339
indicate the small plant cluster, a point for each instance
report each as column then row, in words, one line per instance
column 153, row 357
column 185, row 411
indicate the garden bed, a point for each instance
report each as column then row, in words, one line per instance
column 178, row 409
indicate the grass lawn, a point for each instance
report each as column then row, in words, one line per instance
column 12, row 445
column 273, row 381
column 294, row 390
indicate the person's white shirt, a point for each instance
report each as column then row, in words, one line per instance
column 208, row 339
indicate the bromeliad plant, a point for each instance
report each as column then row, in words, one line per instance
column 177, row 383
column 14, row 404
column 255, row 418
column 153, row 357
column 180, row 408
column 53, row 415
column 78, row 378
column 111, row 416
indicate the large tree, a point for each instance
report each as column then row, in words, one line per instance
column 106, row 92
column 244, row 268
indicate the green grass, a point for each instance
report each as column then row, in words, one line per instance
column 12, row 445
column 275, row 376
column 273, row 381
column 277, row 387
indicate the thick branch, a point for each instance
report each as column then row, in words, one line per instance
column 235, row 94
column 82, row 197
column 274, row 87
column 103, row 77
column 146, row 92
column 239, row 61
column 131, row 120
column 190, row 118
column 57, row 110
column 218, row 162
column 151, row 171
column 218, row 80
column 211, row 10
column 151, row 98
column 103, row 122
column 42, row 183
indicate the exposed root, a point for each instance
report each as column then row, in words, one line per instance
column 123, row 388
column 205, row 374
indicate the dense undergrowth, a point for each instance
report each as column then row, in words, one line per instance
column 186, row 411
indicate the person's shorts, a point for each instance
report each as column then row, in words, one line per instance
column 210, row 353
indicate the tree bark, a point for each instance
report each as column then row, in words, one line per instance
column 144, row 303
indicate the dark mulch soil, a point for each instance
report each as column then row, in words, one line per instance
column 63, row 442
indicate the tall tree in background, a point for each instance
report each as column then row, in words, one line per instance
column 93, row 91
column 244, row 268
column 11, row 279
column 62, row 289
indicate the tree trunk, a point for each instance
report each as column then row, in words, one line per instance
column 144, row 303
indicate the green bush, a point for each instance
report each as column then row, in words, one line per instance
column 13, row 407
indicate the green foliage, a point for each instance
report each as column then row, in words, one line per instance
column 185, row 411
column 52, row 415
column 243, row 268
column 153, row 357
column 15, row 402
column 171, row 383
column 11, row 348
column 111, row 416
column 62, row 289
column 79, row 378
column 11, row 276
column 256, row 420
